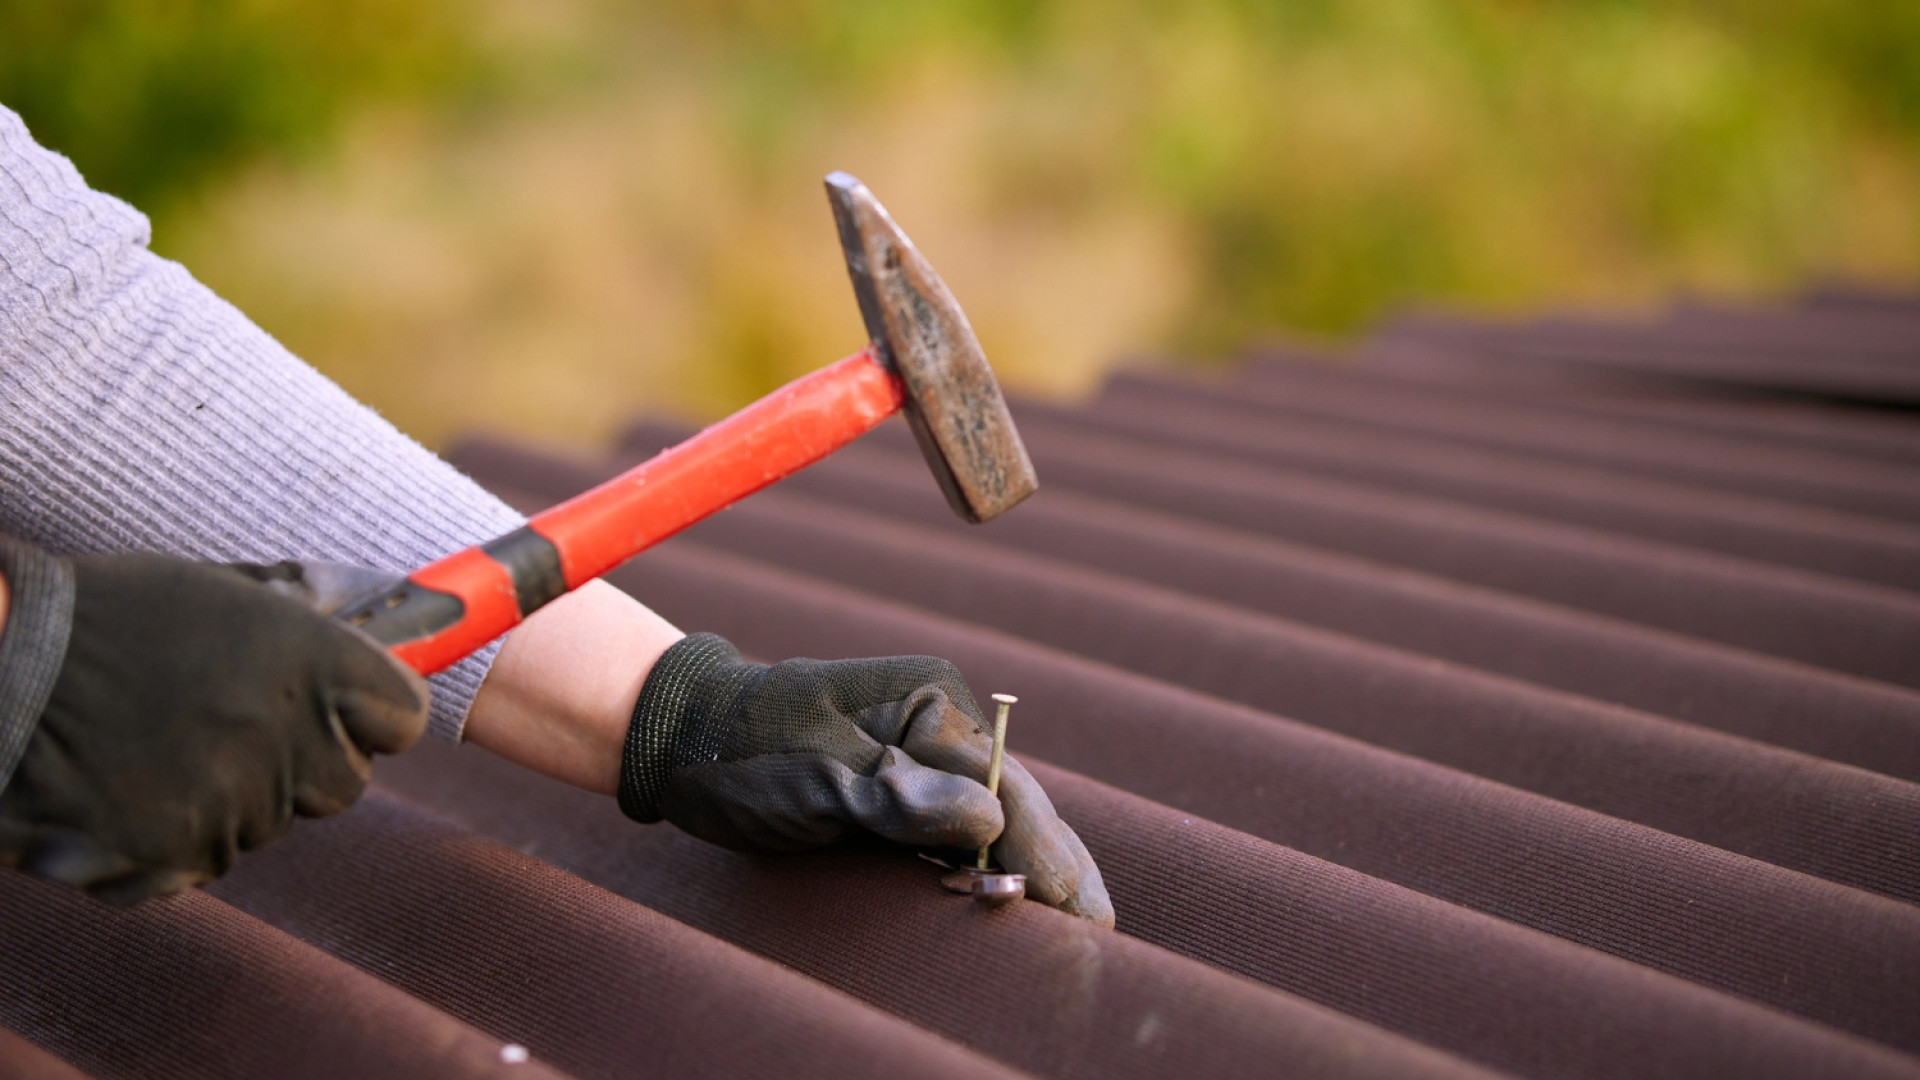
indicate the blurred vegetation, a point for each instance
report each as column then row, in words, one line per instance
column 543, row 216
column 154, row 98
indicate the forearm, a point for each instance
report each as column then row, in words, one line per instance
column 144, row 413
column 561, row 692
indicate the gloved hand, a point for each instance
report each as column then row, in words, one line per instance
column 793, row 755
column 195, row 710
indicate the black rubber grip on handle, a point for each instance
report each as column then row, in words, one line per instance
column 533, row 563
column 405, row 612
column 438, row 597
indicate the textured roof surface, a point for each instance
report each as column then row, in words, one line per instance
column 1538, row 699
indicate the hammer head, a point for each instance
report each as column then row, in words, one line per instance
column 952, row 401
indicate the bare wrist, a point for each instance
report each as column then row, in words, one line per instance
column 560, row 694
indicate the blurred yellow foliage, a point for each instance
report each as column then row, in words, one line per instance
column 543, row 217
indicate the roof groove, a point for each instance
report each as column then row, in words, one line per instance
column 1754, row 466
column 1394, row 815
column 1854, row 627
column 1788, row 534
column 1536, row 699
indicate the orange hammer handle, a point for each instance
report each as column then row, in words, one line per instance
column 449, row 608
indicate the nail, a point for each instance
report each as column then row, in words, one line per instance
column 999, row 754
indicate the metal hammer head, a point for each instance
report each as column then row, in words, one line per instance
column 952, row 401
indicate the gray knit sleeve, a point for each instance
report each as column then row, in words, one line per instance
column 139, row 411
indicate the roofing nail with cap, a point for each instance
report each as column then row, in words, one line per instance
column 999, row 754
column 991, row 887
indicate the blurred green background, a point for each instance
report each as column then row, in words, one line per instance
column 542, row 217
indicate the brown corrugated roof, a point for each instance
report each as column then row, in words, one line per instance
column 1537, row 699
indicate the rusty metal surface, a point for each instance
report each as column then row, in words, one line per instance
column 954, row 404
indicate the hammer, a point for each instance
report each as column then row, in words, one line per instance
column 921, row 357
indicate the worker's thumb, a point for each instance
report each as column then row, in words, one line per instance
column 323, row 586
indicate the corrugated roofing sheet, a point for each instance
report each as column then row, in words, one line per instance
column 1537, row 699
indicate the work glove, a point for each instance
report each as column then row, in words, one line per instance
column 794, row 755
column 194, row 710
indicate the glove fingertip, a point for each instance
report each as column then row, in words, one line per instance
column 1060, row 871
column 382, row 702
column 909, row 803
column 377, row 724
column 324, row 792
column 1090, row 901
column 977, row 818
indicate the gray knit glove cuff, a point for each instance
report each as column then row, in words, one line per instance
column 694, row 684
column 33, row 643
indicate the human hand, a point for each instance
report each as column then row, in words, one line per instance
column 196, row 709
column 793, row 755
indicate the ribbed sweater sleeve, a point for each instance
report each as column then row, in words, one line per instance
column 140, row 412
